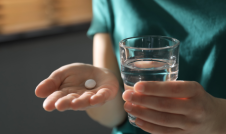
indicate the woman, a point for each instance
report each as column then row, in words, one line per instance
column 159, row 107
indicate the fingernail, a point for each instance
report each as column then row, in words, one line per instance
column 139, row 122
column 140, row 88
column 73, row 101
column 134, row 104
column 128, row 107
column 129, row 96
column 92, row 97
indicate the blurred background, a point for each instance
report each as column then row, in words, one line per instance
column 36, row 38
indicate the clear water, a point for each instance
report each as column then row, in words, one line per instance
column 134, row 70
column 148, row 70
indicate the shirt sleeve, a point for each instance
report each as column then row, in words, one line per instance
column 102, row 17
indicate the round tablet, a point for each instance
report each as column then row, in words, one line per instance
column 90, row 83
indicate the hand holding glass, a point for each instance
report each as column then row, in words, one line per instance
column 148, row 58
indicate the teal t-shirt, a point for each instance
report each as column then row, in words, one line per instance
column 200, row 25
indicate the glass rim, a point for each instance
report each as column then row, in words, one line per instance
column 160, row 48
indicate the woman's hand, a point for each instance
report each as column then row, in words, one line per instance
column 65, row 89
column 180, row 107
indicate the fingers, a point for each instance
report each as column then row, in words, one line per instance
column 180, row 89
column 49, row 103
column 82, row 102
column 156, row 117
column 64, row 103
column 164, row 104
column 101, row 96
column 87, row 99
column 49, row 85
column 157, row 129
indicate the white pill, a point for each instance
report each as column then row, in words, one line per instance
column 90, row 83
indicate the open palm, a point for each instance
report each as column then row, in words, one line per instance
column 65, row 89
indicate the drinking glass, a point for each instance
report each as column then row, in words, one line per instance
column 148, row 58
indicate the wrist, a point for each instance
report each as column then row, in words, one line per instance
column 110, row 114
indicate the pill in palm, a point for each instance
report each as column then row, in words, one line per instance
column 90, row 83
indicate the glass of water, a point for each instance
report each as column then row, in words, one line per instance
column 148, row 58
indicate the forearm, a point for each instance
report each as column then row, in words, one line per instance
column 111, row 113
column 103, row 54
